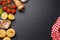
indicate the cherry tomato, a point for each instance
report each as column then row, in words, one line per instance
column 14, row 6
column 5, row 8
column 3, row 1
column 8, row 10
column 0, row 2
column 3, row 4
column 13, row 11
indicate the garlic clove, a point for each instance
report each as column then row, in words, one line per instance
column 5, row 24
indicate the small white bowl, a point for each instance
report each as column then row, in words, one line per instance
column 24, row 1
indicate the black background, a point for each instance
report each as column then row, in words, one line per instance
column 36, row 22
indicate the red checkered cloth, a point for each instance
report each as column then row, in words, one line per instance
column 55, row 34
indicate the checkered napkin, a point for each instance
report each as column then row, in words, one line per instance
column 55, row 34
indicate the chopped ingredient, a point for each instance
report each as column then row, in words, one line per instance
column 4, row 15
column 6, row 24
column 11, row 17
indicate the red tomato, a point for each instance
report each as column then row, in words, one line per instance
column 14, row 6
column 8, row 10
column 3, row 4
column 3, row 1
column 5, row 8
column 0, row 2
column 13, row 11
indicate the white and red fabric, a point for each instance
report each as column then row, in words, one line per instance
column 55, row 34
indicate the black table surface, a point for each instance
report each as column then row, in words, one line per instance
column 36, row 21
